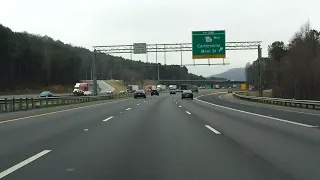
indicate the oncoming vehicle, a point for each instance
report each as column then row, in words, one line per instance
column 154, row 92
column 187, row 94
column 139, row 93
column 46, row 94
column 87, row 93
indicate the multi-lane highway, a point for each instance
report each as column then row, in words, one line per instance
column 165, row 137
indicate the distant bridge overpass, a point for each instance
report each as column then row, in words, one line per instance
column 200, row 82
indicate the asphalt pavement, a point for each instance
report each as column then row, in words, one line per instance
column 162, row 137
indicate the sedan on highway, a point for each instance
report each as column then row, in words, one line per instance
column 87, row 93
column 154, row 92
column 172, row 91
column 187, row 94
column 139, row 93
column 46, row 94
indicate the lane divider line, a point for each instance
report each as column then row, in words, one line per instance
column 176, row 102
column 144, row 101
column 108, row 118
column 254, row 114
column 212, row 129
column 138, row 104
column 128, row 109
column 188, row 112
column 23, row 163
column 180, row 106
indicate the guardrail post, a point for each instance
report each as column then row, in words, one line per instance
column 20, row 104
column 32, row 105
column 5, row 104
column 13, row 104
column 27, row 104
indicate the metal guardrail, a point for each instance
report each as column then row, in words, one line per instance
column 279, row 101
column 24, row 104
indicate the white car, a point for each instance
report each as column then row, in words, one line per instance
column 187, row 94
column 87, row 93
column 109, row 92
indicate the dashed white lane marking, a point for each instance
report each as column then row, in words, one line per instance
column 213, row 130
column 108, row 118
column 128, row 109
column 144, row 101
column 120, row 112
column 138, row 104
column 86, row 130
column 254, row 114
column 180, row 106
column 188, row 112
column 23, row 163
column 176, row 102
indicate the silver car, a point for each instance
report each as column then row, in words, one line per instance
column 186, row 94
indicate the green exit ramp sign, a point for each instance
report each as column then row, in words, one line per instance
column 208, row 44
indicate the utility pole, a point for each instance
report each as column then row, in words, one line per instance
column 94, row 73
column 260, row 70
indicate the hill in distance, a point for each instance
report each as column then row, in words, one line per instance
column 237, row 74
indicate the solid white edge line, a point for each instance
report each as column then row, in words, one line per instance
column 23, row 163
column 188, row 112
column 254, row 114
column 128, row 109
column 108, row 118
column 212, row 129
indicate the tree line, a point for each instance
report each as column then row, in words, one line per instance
column 33, row 61
column 291, row 70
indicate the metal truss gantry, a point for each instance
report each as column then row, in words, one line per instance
column 178, row 47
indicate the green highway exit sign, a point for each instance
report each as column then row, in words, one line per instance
column 208, row 44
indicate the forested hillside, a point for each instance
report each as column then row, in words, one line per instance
column 32, row 61
column 291, row 70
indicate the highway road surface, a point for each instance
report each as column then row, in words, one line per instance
column 161, row 138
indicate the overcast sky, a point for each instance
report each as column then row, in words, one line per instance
column 110, row 22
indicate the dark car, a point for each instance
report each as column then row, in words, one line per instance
column 154, row 92
column 46, row 94
column 187, row 94
column 139, row 93
column 173, row 91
